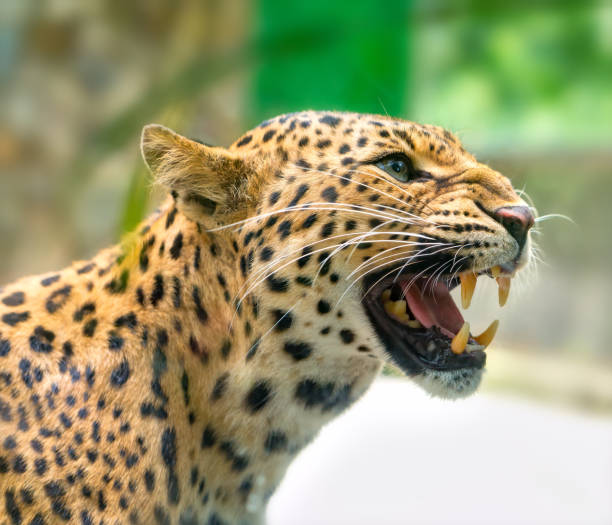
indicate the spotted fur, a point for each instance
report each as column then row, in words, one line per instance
column 173, row 378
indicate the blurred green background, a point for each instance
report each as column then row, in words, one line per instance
column 526, row 85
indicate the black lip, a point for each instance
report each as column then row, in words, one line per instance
column 408, row 348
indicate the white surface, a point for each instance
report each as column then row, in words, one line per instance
column 399, row 457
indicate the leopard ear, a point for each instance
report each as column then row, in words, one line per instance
column 206, row 181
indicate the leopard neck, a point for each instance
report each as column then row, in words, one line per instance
column 214, row 353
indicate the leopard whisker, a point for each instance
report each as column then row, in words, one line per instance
column 319, row 206
column 403, row 190
column 284, row 255
column 549, row 216
column 330, row 174
column 355, row 247
column 415, row 277
column 352, row 251
column 389, row 273
column 341, row 245
column 449, row 247
column 378, row 257
column 434, row 278
column 424, row 252
column 260, row 280
column 457, row 262
column 342, row 177
column 353, row 235
column 357, row 279
column 397, row 186
column 376, row 268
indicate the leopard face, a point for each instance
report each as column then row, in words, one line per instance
column 173, row 378
column 397, row 214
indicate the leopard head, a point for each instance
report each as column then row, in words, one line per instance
column 349, row 232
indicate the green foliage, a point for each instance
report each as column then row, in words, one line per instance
column 363, row 64
column 536, row 75
column 136, row 199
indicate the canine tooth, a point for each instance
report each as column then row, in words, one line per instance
column 503, row 289
column 386, row 295
column 468, row 285
column 487, row 336
column 459, row 342
column 495, row 271
column 414, row 323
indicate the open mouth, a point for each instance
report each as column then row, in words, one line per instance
column 420, row 325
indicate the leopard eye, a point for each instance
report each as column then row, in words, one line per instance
column 399, row 167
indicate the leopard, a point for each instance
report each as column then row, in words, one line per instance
column 173, row 377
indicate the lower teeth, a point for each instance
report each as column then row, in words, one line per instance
column 459, row 342
column 398, row 309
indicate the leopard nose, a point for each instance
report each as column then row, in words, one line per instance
column 517, row 220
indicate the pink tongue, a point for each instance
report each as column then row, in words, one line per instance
column 433, row 308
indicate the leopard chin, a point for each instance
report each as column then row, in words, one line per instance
column 451, row 384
